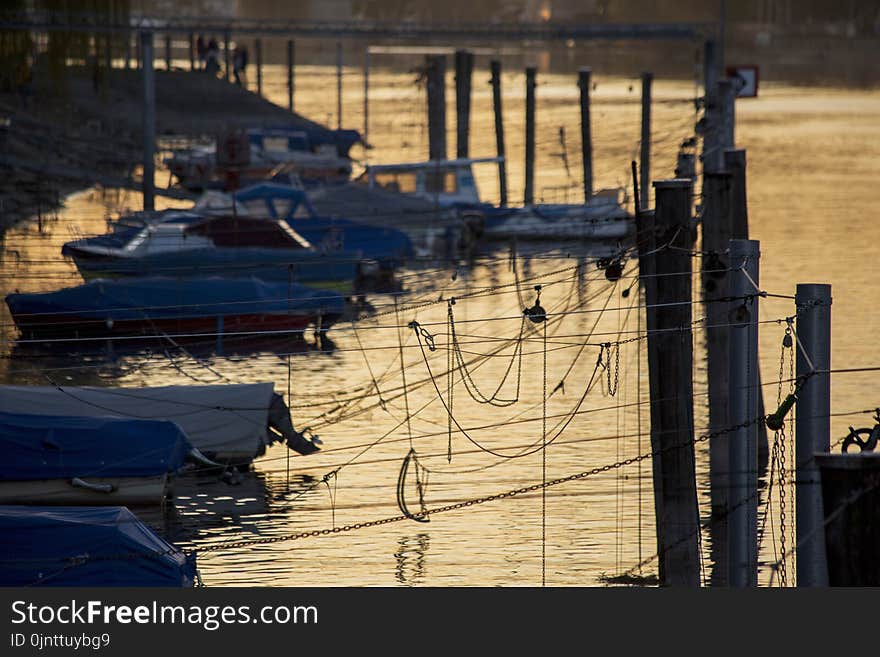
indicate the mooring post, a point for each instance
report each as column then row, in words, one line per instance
column 167, row 52
column 127, row 38
column 366, row 94
column 138, row 51
column 734, row 162
column 435, row 68
column 529, row 189
column 192, row 52
column 647, row 249
column 495, row 81
column 670, row 363
column 742, row 522
column 645, row 142
column 339, row 85
column 464, row 66
column 226, row 39
column 711, row 129
column 727, row 111
column 813, row 427
column 290, row 60
column 586, row 137
column 146, row 41
column 716, row 233
column 258, row 52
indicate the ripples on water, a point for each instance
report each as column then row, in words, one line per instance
column 813, row 158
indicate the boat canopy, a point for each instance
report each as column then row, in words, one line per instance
column 87, row 546
column 217, row 419
column 65, row 446
column 166, row 297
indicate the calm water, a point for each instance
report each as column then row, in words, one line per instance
column 814, row 156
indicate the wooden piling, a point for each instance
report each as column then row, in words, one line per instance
column 435, row 70
column 167, row 52
column 734, row 162
column 366, row 94
column 464, row 66
column 290, row 62
column 495, row 81
column 529, row 189
column 339, row 85
column 149, row 125
column 586, row 136
column 670, row 363
column 226, row 39
column 258, row 53
column 742, row 520
column 812, row 428
column 127, row 54
column 716, row 233
column 712, row 156
column 192, row 51
column 727, row 114
column 645, row 142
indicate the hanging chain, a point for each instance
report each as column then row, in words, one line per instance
column 787, row 343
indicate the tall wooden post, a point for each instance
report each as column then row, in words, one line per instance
column 645, row 145
column 192, row 52
column 436, row 84
column 290, row 62
column 727, row 114
column 464, row 65
column 742, row 520
column 734, row 162
column 339, row 85
column 149, row 125
column 258, row 48
column 529, row 190
column 716, row 235
column 167, row 52
column 366, row 94
column 813, row 428
column 670, row 363
column 712, row 156
column 495, row 81
column 586, row 136
column 226, row 42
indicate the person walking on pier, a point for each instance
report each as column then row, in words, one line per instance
column 201, row 51
column 239, row 65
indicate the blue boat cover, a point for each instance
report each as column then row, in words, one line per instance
column 86, row 546
column 64, row 446
column 161, row 297
column 328, row 234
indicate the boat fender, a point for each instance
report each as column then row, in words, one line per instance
column 76, row 482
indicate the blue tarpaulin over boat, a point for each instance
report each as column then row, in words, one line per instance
column 86, row 546
column 63, row 446
column 330, row 234
column 160, row 297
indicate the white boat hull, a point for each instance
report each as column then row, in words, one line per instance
column 576, row 225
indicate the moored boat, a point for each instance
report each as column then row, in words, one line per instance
column 162, row 306
column 87, row 546
column 59, row 459
column 230, row 423
column 451, row 184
